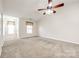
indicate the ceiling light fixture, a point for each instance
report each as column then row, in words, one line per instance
column 51, row 9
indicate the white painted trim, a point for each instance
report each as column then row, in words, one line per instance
column 59, row 39
column 28, row 37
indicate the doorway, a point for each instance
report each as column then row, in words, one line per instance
column 10, row 27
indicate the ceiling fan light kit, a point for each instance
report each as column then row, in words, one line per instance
column 50, row 8
column 48, row 12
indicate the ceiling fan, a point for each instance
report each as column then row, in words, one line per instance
column 51, row 9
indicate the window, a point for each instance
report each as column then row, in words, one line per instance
column 29, row 27
column 11, row 27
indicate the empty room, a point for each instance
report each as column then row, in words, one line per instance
column 39, row 28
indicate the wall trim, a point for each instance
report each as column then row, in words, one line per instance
column 59, row 39
column 28, row 37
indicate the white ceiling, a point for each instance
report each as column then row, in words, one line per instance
column 28, row 8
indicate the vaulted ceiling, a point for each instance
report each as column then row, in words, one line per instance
column 28, row 8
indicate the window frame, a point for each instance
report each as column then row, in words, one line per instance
column 29, row 27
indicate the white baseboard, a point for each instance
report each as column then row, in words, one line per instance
column 28, row 37
column 59, row 39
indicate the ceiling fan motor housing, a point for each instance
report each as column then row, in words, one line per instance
column 49, row 7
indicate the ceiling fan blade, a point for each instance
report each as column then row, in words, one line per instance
column 59, row 5
column 49, row 1
column 41, row 9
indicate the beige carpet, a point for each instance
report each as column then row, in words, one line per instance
column 39, row 47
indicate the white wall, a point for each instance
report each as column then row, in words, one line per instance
column 22, row 28
column 64, row 25
column 0, row 35
column 0, row 5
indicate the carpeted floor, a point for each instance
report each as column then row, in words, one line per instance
column 37, row 47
